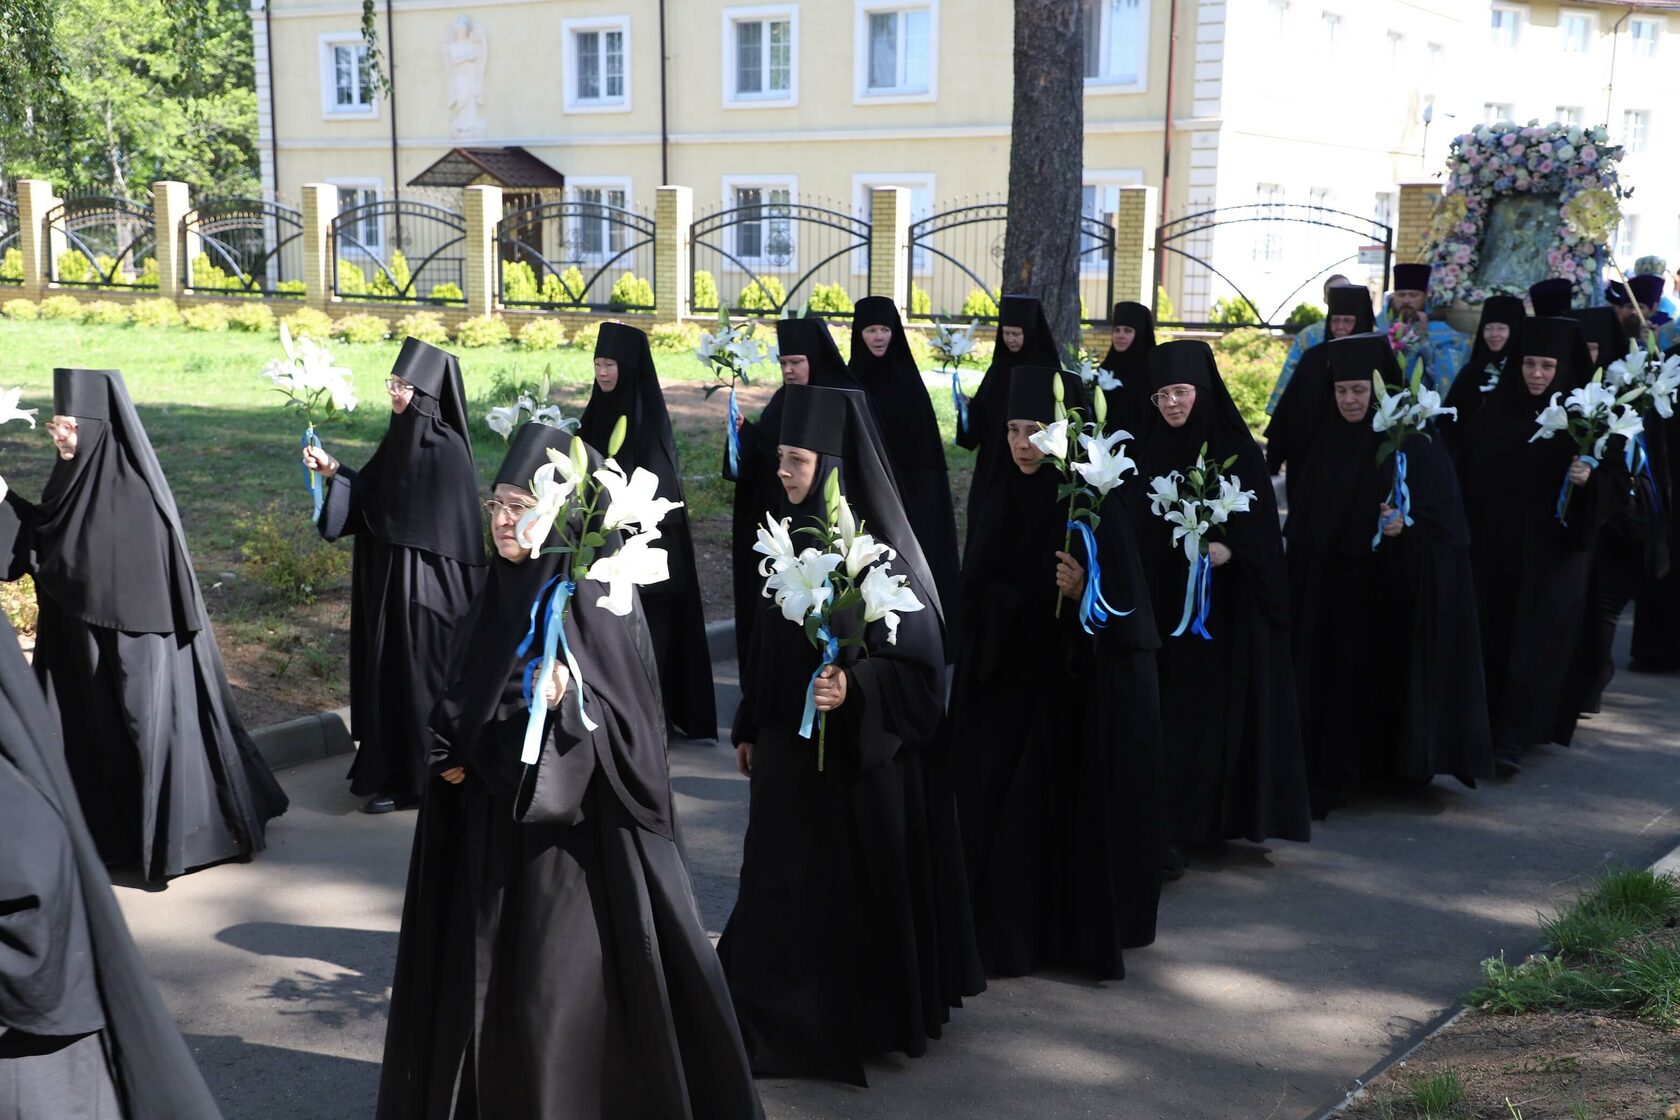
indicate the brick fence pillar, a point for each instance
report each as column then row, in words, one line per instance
column 170, row 203
column 35, row 198
column 889, row 245
column 483, row 211
column 673, row 217
column 1134, row 246
column 320, row 207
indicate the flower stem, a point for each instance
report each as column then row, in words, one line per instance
column 1067, row 546
column 822, row 739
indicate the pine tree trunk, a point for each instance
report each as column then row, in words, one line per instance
column 1046, row 160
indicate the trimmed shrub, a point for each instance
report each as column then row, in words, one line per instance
column 361, row 327
column 763, row 294
column 20, row 309
column 207, row 276
column 1304, row 314
column 484, row 330
column 148, row 277
column 73, row 267
column 254, row 317
column 205, row 317
column 61, row 307
column 519, row 283
column 830, row 299
column 1249, row 360
column 584, row 337
column 921, row 304
column 352, row 281
column 1233, row 310
column 1164, row 311
column 290, row 286
column 674, row 338
column 980, row 304
column 542, row 334
column 309, row 322
column 565, row 289
column 107, row 311
column 11, row 265
column 705, row 291
column 631, row 291
column 427, row 326
column 396, row 281
column 446, row 291
column 158, row 312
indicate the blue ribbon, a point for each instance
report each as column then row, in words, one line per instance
column 1198, row 598
column 1563, row 491
column 831, row 650
column 1094, row 610
column 1639, row 462
column 732, row 437
column 316, row 485
column 958, row 401
column 1402, row 495
column 553, row 632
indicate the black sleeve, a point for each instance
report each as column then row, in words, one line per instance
column 341, row 511
column 18, row 519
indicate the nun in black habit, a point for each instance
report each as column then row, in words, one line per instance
column 419, row 560
column 1060, row 790
column 552, row 963
column 1023, row 339
column 833, row 951
column 1530, row 568
column 1498, row 336
column 167, row 776
column 1233, row 739
column 884, row 368
column 1388, row 660
column 1295, row 420
column 808, row 357
column 1131, row 340
column 83, row 1033
column 627, row 386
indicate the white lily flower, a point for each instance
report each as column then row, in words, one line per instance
column 1428, row 406
column 5, row 488
column 632, row 501
column 636, row 564
column 553, row 485
column 802, row 587
column 1105, row 461
column 1106, row 380
column 775, row 544
column 551, row 415
column 745, row 351
column 1163, row 493
column 1592, row 399
column 1188, row 527
column 1628, row 370
column 1392, row 411
column 863, row 550
column 885, row 597
column 1666, row 385
column 503, row 419
column 1052, row 440
column 1624, row 422
column 10, row 411
column 1552, row 420
column 1230, row 500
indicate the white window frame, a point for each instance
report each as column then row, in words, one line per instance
column 1516, row 37
column 1644, row 139
column 767, row 14
column 1570, row 114
column 569, row 30
column 578, row 183
column 1507, row 111
column 865, row 181
column 1267, row 249
column 1626, row 236
column 1591, row 22
column 862, row 9
column 330, row 108
column 766, row 183
column 1658, row 26
column 1140, row 84
column 377, row 186
column 1101, row 179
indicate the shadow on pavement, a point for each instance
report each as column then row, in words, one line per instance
column 361, row 990
column 255, row 1082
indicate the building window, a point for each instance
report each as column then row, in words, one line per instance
column 759, row 53
column 366, row 230
column 896, row 50
column 1627, row 236
column 1268, row 245
column 1495, row 111
column 1114, row 31
column 1644, row 33
column 347, row 82
column 1568, row 114
column 1332, row 28
column 1100, row 200
column 595, row 234
column 1506, row 26
column 598, row 58
column 1576, row 30
column 1636, row 130
column 1382, row 209
column 764, row 233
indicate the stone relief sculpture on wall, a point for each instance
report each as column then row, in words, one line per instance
column 465, row 52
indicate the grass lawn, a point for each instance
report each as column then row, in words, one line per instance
column 230, row 452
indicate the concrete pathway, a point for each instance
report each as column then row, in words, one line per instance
column 1282, row 974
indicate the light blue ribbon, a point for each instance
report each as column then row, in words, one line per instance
column 958, row 401
column 732, row 437
column 316, row 485
column 831, row 650
column 1639, row 462
column 1563, row 491
column 553, row 634
column 1402, row 495
column 1198, row 598
column 1094, row 610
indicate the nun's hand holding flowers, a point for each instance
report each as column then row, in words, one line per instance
column 455, row 775
column 1070, row 576
column 1218, row 554
column 1579, row 472
column 830, row 688
column 552, row 690
column 317, row 459
column 1392, row 525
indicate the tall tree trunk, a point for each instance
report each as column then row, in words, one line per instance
column 1046, row 160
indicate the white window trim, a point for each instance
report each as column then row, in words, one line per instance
column 1106, row 87
column 1592, row 31
column 576, row 183
column 863, row 182
column 330, row 110
column 1104, row 177
column 730, row 184
column 377, row 186
column 732, row 16
column 860, row 52
column 1522, row 20
column 1661, row 24
column 568, row 34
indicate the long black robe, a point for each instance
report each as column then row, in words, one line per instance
column 836, row 948
column 1656, row 614
column 83, row 1032
column 1530, row 569
column 167, row 775
column 419, row 559
column 904, row 412
column 1233, row 739
column 1128, row 405
column 1297, row 418
column 1483, row 368
column 1387, row 644
column 552, row 962
column 674, row 612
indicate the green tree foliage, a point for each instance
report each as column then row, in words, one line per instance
column 1235, row 311
column 1304, row 315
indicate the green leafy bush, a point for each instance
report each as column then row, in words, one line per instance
column 361, row 327
column 1249, row 359
column 257, row 318
column 285, row 556
column 629, row 290
column 106, row 311
column 1234, row 310
column 208, row 276
column 763, row 294
column 704, row 295
column 542, row 334
column 566, row 289
column 446, row 291
column 674, row 338
column 980, row 304
column 427, row 326
column 921, row 304
column 61, row 307
column 1303, row 315
column 584, row 337
column 205, row 317
column 1164, row 310
column 157, row 312
column 290, row 286
column 483, row 330
column 519, row 282
column 20, row 309
column 395, row 281
column 148, row 277
column 351, row 280
column 73, row 267
column 309, row 322
column 11, row 265
column 830, row 299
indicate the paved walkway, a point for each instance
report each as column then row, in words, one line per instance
column 1281, row 974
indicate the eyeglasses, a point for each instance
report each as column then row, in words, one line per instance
column 497, row 508
column 398, row 386
column 1172, row 396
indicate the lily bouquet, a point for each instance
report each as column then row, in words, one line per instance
column 633, row 508
column 1400, row 415
column 731, row 351
column 1086, row 481
column 955, row 349
column 1196, row 505
column 312, row 384
column 1590, row 415
column 503, row 419
column 1089, row 368
column 10, row 411
column 1656, row 380
column 847, row 569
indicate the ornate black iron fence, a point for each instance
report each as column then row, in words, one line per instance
column 586, row 256
column 102, row 241
column 956, row 263
column 243, row 246
column 399, row 251
column 769, row 253
column 11, row 267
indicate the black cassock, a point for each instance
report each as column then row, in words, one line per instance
column 675, row 616
column 1128, row 403
column 850, row 931
column 83, row 1032
column 1233, row 739
column 1055, row 737
column 419, row 560
column 167, row 775
column 1656, row 614
column 1530, row 568
column 1484, row 368
column 1387, row 648
column 1296, row 419
column 552, row 963
column 904, row 412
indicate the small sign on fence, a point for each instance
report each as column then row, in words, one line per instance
column 1372, row 254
